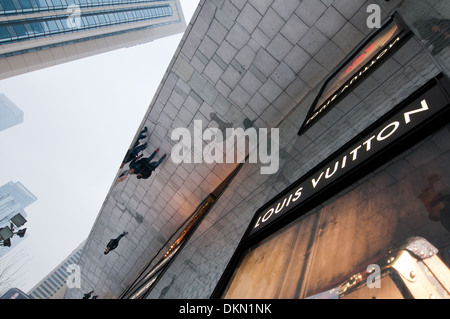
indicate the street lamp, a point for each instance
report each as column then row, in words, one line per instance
column 6, row 233
column 21, row 232
column 6, row 243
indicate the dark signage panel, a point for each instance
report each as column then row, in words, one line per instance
column 423, row 105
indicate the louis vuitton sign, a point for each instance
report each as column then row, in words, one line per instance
column 408, row 117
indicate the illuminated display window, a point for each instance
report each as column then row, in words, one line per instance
column 327, row 250
column 365, row 59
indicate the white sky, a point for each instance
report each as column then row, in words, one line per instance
column 79, row 120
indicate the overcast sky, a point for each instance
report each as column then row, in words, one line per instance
column 79, row 119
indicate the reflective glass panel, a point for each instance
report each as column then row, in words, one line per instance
column 42, row 3
column 20, row 30
column 7, row 5
column 25, row 4
column 4, row 34
column 52, row 25
column 36, row 27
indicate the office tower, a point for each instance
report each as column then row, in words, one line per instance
column 54, row 285
column 10, row 114
column 37, row 33
column 14, row 197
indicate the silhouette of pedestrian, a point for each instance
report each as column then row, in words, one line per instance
column 133, row 152
column 143, row 168
column 88, row 295
column 113, row 243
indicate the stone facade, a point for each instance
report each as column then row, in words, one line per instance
column 257, row 61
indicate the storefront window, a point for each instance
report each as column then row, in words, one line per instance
column 361, row 60
column 408, row 196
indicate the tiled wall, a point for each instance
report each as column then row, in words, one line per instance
column 196, row 271
column 257, row 60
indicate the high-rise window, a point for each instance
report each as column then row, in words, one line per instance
column 12, row 7
column 21, row 30
column 37, row 29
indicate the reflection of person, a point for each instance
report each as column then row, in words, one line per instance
column 436, row 31
column 113, row 243
column 88, row 295
column 143, row 168
column 438, row 206
column 133, row 152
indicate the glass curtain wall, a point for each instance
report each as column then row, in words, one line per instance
column 11, row 7
column 32, row 28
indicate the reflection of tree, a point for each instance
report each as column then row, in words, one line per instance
column 11, row 270
column 437, row 205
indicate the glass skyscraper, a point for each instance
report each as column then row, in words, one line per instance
column 10, row 114
column 14, row 197
column 40, row 33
